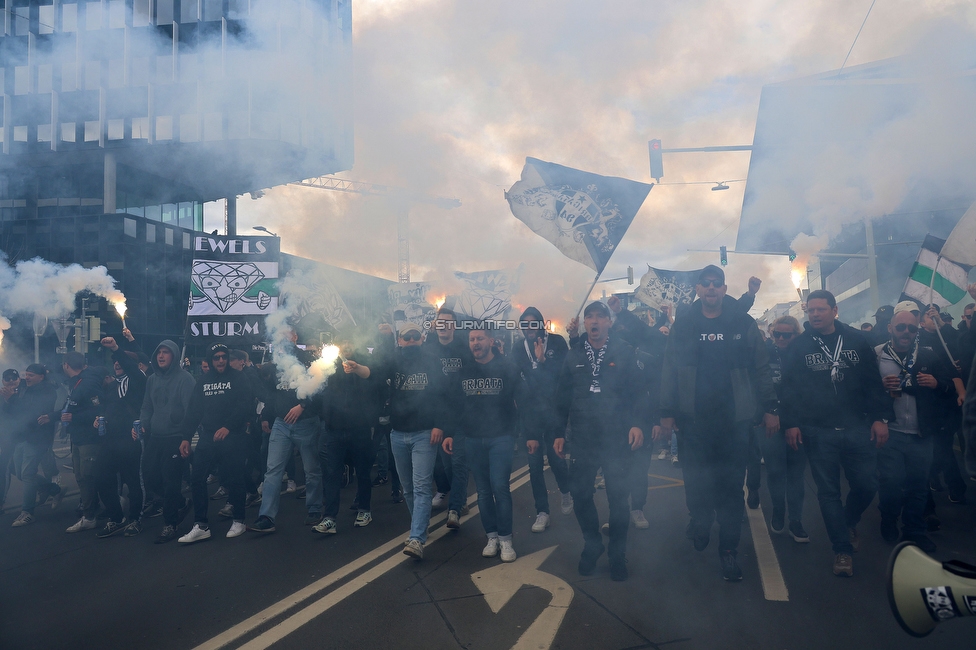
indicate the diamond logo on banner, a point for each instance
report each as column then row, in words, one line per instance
column 225, row 283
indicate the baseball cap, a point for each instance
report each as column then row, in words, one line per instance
column 10, row 374
column 597, row 306
column 888, row 310
column 218, row 347
column 409, row 326
column 711, row 271
column 37, row 368
column 905, row 305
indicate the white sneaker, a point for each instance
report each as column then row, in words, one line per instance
column 508, row 551
column 637, row 516
column 541, row 522
column 292, row 487
column 260, row 487
column 491, row 548
column 567, row 504
column 662, row 454
column 236, row 529
column 438, row 500
column 196, row 534
column 82, row 524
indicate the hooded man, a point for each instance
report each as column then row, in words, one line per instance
column 168, row 392
column 82, row 408
column 221, row 406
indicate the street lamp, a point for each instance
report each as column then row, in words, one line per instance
column 263, row 229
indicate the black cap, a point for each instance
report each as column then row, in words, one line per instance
column 596, row 305
column 711, row 271
column 946, row 317
column 10, row 374
column 37, row 369
column 885, row 310
column 218, row 347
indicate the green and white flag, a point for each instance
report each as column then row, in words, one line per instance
column 949, row 285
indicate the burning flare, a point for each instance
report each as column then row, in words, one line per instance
column 797, row 276
column 439, row 302
column 119, row 304
column 4, row 325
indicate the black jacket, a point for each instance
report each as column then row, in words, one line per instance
column 483, row 400
column 26, row 406
column 809, row 395
column 929, row 402
column 602, row 419
column 417, row 390
column 349, row 402
column 285, row 399
column 122, row 402
column 748, row 385
column 538, row 408
column 84, row 404
column 219, row 400
column 453, row 356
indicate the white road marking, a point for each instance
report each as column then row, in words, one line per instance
column 774, row 587
column 250, row 624
column 500, row 582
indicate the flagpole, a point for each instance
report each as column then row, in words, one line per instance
column 938, row 330
column 587, row 296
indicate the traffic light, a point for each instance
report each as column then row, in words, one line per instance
column 657, row 161
column 723, row 255
column 792, row 254
column 630, row 275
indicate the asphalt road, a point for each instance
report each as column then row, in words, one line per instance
column 297, row 589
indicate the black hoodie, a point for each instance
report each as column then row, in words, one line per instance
column 221, row 400
column 84, row 404
column 483, row 400
column 418, row 390
column 124, row 399
column 26, row 406
column 349, row 402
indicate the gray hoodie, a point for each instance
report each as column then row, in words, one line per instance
column 167, row 396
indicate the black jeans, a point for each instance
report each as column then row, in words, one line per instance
column 785, row 470
column 944, row 458
column 536, row 477
column 903, row 485
column 120, row 457
column 333, row 447
column 754, row 466
column 584, row 463
column 163, row 470
column 713, row 456
column 830, row 450
column 232, row 454
column 637, row 479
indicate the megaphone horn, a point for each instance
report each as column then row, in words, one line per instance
column 923, row 592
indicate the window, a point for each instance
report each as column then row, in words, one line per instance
column 186, row 241
column 190, row 128
column 21, row 21
column 164, row 127
column 21, row 80
column 129, row 227
column 140, row 128
column 116, row 14
column 68, row 132
column 169, row 213
column 164, row 12
column 152, row 212
column 141, row 13
column 69, row 77
column 169, row 236
column 45, row 19
column 69, row 18
column 150, row 233
column 43, row 132
column 139, row 71
column 93, row 71
column 45, row 78
column 116, row 129
column 93, row 16
column 91, row 131
column 188, row 11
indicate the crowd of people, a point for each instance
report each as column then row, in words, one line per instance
column 447, row 403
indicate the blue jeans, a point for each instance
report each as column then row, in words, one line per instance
column 560, row 471
column 785, row 471
column 451, row 476
column 490, row 460
column 903, row 486
column 284, row 438
column 27, row 458
column 415, row 457
column 830, row 450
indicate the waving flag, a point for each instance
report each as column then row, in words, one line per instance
column 949, row 284
column 584, row 215
column 487, row 294
column 659, row 287
column 960, row 247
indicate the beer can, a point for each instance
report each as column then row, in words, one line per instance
column 137, row 427
column 101, row 425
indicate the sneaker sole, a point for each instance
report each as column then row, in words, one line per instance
column 261, row 530
column 509, row 559
column 114, row 532
column 194, row 541
column 843, row 574
column 800, row 540
column 229, row 536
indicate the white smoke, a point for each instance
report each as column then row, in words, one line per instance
column 48, row 289
column 4, row 325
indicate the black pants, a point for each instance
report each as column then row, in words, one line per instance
column 254, row 467
column 944, row 458
column 232, row 453
column 333, row 448
column 163, row 470
column 754, row 466
column 120, row 457
column 903, row 485
column 713, row 460
column 381, row 438
column 637, row 479
column 584, row 463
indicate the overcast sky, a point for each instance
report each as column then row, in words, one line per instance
column 450, row 97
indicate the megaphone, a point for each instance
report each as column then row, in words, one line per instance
column 923, row 592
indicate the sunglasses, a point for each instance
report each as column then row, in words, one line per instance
column 912, row 329
column 410, row 336
column 782, row 335
column 218, row 357
column 712, row 283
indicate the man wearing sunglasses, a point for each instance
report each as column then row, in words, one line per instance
column 915, row 377
column 835, row 405
column 221, row 405
column 716, row 380
column 418, row 407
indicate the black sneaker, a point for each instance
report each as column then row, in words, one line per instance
column 397, row 496
column 777, row 524
column 111, row 528
column 381, row 480
column 753, row 499
column 252, row 500
column 152, row 509
column 958, row 499
column 168, row 534
column 799, row 535
column 889, row 530
column 730, row 568
column 618, row 569
column 922, row 541
column 587, row 563
column 133, row 529
column 263, row 525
